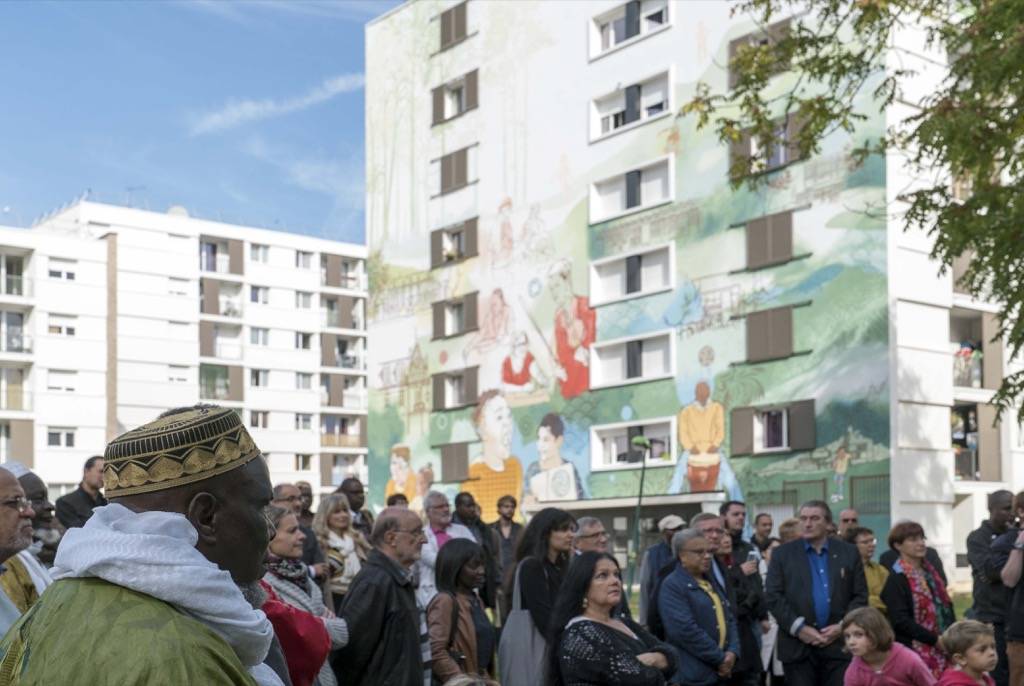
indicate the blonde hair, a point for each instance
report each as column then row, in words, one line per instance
column 960, row 636
column 470, row 680
column 328, row 506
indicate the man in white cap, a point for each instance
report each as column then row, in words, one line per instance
column 656, row 558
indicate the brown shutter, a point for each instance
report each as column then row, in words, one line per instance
column 363, row 426
column 459, row 22
column 989, row 448
column 454, row 462
column 447, row 172
column 328, row 350
column 461, row 163
column 236, row 388
column 437, row 384
column 211, row 296
column 469, row 237
column 326, row 465
column 794, row 125
column 438, row 95
column 470, row 307
column 471, row 91
column 780, row 237
column 734, row 46
column 802, row 433
column 741, row 431
column 334, row 271
column 436, row 248
column 438, row 319
column 207, row 339
column 447, row 28
column 335, row 391
column 22, row 441
column 782, row 333
column 739, row 152
column 236, row 257
column 960, row 265
column 759, row 339
column 757, row 243
column 991, row 352
column 345, row 312
column 470, row 384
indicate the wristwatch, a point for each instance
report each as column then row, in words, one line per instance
column 1018, row 546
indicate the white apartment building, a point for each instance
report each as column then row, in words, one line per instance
column 111, row 315
column 563, row 260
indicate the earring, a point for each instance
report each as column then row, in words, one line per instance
column 585, row 603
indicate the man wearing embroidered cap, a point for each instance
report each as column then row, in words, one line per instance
column 147, row 592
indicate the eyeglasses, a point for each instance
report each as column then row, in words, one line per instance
column 700, row 553
column 597, row 534
column 289, row 499
column 19, row 504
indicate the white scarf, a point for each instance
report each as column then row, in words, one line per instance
column 154, row 553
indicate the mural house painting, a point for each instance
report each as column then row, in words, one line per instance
column 558, row 264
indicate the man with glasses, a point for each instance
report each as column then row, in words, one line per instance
column 874, row 573
column 289, row 497
column 848, row 519
column 15, row 536
column 440, row 529
column 26, row 578
column 590, row 536
column 385, row 647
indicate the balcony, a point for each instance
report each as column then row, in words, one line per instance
column 16, row 285
column 15, row 342
column 339, row 441
column 354, row 399
column 332, row 319
column 15, row 399
column 967, row 367
column 228, row 350
column 217, row 389
column 351, row 362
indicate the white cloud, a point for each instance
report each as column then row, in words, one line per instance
column 238, row 112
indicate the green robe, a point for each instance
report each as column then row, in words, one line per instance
column 92, row 633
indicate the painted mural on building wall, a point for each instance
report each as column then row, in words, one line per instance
column 535, row 429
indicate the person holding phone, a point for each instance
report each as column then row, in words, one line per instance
column 749, row 608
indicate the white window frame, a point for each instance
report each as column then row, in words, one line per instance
column 66, row 326
column 259, row 419
column 596, row 52
column 62, row 432
column 303, row 300
column 450, row 390
column 67, row 385
column 259, row 335
column 259, row 378
column 259, row 295
column 758, row 433
column 642, row 207
column 303, row 462
column 597, row 347
column 303, row 259
column 303, row 421
column 177, row 286
column 303, row 381
column 596, row 445
column 595, row 131
column 61, row 268
column 622, row 257
column 259, row 252
column 303, row 340
column 177, row 373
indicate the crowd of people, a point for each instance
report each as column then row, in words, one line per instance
column 198, row 570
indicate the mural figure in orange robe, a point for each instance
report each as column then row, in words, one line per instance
column 495, row 472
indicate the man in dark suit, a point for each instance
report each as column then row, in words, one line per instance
column 812, row 583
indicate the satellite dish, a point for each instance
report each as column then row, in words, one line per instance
column 177, row 211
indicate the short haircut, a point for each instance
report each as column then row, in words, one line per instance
column 481, row 403
column 507, row 499
column 788, row 530
column 855, row 532
column 703, row 517
column 904, row 530
column 585, row 523
column 821, row 505
column 996, row 496
column 275, row 514
column 349, row 483
column 874, row 624
column 387, row 521
column 462, row 496
column 960, row 636
column 681, row 538
column 91, row 462
column 432, row 497
column 554, row 424
column 724, row 507
column 759, row 515
column 278, row 489
column 396, row 498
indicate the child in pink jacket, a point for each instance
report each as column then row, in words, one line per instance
column 971, row 646
column 877, row 659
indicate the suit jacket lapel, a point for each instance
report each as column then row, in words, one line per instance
column 803, row 577
column 836, row 571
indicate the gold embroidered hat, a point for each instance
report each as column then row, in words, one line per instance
column 178, row 449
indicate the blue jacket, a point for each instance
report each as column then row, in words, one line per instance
column 688, row 616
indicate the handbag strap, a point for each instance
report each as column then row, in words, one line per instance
column 455, row 620
column 517, row 602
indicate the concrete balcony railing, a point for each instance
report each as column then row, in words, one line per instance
column 339, row 441
column 16, row 285
column 214, row 390
column 16, row 342
column 15, row 399
column 228, row 351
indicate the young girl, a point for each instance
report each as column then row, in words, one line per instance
column 877, row 659
column 971, row 646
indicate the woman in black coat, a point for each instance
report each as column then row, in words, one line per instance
column 590, row 646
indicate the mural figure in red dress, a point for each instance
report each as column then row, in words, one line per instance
column 575, row 330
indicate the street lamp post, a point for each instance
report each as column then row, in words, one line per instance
column 644, row 443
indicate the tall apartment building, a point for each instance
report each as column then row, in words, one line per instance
column 112, row 315
column 560, row 267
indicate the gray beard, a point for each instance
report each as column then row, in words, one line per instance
column 253, row 594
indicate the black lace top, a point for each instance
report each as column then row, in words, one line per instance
column 592, row 654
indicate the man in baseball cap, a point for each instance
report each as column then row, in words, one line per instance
column 657, row 557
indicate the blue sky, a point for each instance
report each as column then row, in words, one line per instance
column 247, row 112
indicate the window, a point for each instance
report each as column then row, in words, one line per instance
column 259, row 294
column 772, row 429
column 61, row 380
column 615, row 445
column 628, row 21
column 453, row 244
column 259, row 336
column 177, row 373
column 259, row 419
column 631, row 275
column 60, row 438
column 770, row 334
column 454, row 389
column 303, row 300
column 634, row 103
column 303, row 380
column 303, row 341
column 770, row 240
column 453, row 25
column 62, row 324
column 639, row 359
column 303, row 421
column 259, row 377
column 214, row 382
column 773, row 34
column 176, row 286
column 303, row 463
column 62, row 269
column 455, row 317
column 755, row 156
column 454, row 170
column 635, row 189
column 259, row 253
column 303, row 259
column 454, row 98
